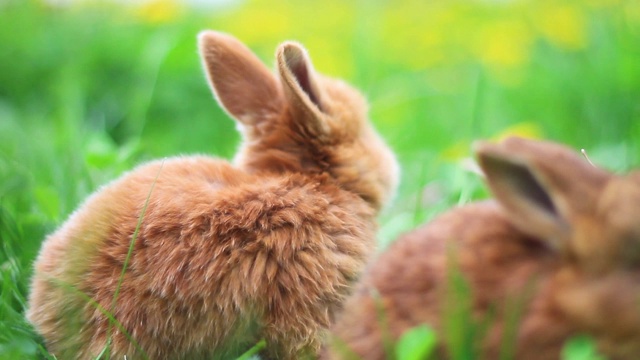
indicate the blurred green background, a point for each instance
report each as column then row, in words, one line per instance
column 89, row 89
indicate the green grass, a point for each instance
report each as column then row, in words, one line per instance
column 88, row 91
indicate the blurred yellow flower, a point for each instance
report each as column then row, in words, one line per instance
column 159, row 11
column 264, row 24
column 527, row 130
column 504, row 48
column 504, row 43
column 563, row 25
column 457, row 151
column 416, row 33
column 461, row 149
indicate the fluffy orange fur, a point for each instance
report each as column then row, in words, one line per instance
column 226, row 255
column 557, row 255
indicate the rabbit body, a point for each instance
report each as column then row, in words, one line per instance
column 555, row 255
column 224, row 255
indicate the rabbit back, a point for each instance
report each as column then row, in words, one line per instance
column 220, row 255
column 412, row 283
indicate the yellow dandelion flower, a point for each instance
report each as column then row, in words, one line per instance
column 259, row 23
column 504, row 47
column 504, row 43
column 159, row 11
column 527, row 130
column 273, row 22
column 457, row 151
column 460, row 149
column 417, row 34
column 563, row 25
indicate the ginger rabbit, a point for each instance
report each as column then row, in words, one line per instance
column 226, row 254
column 556, row 254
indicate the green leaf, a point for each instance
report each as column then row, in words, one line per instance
column 253, row 351
column 101, row 152
column 416, row 344
column 580, row 348
column 460, row 329
column 18, row 347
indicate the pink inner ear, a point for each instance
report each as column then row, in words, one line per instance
column 298, row 65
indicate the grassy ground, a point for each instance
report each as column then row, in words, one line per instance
column 88, row 91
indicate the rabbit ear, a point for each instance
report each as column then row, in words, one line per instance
column 243, row 85
column 301, row 87
column 541, row 185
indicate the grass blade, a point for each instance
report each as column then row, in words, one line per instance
column 130, row 252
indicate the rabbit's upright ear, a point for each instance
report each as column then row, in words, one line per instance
column 542, row 186
column 301, row 88
column 243, row 85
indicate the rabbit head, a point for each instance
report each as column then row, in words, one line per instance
column 550, row 192
column 589, row 217
column 298, row 121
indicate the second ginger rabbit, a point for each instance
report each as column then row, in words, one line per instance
column 556, row 254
